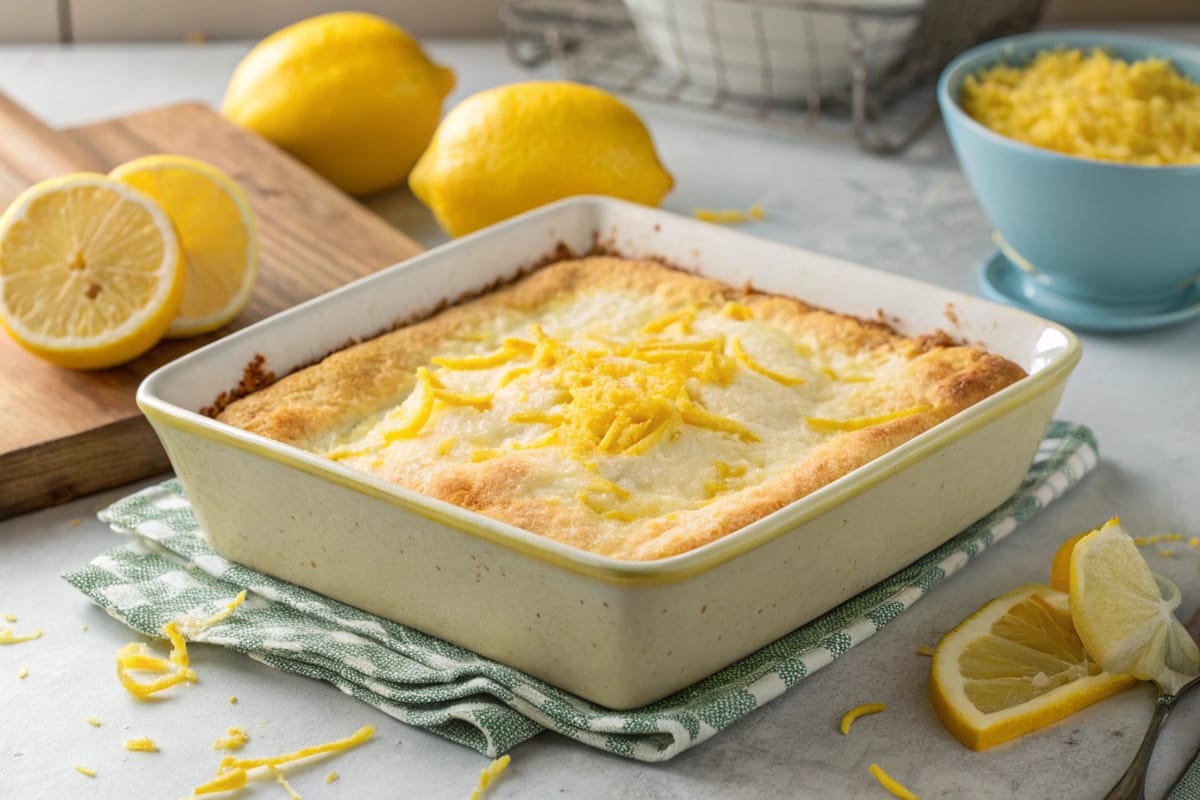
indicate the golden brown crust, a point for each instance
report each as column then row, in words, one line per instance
column 935, row 375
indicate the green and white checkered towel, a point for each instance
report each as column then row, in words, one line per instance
column 169, row 571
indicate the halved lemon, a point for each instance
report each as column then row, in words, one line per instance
column 216, row 229
column 1014, row 666
column 1122, row 615
column 91, row 271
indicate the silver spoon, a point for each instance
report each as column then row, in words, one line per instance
column 1132, row 785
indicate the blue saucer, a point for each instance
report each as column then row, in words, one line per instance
column 1005, row 282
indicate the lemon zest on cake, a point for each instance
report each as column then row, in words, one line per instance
column 891, row 784
column 95, row 723
column 282, row 781
column 736, row 311
column 451, row 398
column 684, row 318
column 489, row 774
column 741, row 355
column 143, row 745
column 859, row 711
column 843, row 377
column 88, row 771
column 413, row 421
column 484, row 454
column 858, row 423
column 235, row 740
column 724, row 482
column 8, row 636
column 446, row 445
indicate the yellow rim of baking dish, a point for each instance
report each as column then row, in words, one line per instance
column 605, row 568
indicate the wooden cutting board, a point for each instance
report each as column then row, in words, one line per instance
column 63, row 433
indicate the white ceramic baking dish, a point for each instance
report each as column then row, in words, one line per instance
column 619, row 633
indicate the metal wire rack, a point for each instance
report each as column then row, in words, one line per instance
column 853, row 68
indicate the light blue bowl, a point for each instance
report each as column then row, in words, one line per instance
column 1094, row 233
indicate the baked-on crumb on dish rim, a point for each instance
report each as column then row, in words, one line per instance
column 621, row 406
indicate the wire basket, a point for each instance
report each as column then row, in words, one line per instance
column 839, row 65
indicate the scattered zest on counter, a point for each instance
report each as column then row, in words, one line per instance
column 287, row 787
column 8, row 636
column 232, row 772
column 235, row 741
column 233, row 700
column 332, row 776
column 91, row 773
column 10, row 617
column 859, row 711
column 174, row 669
column 23, row 673
column 489, row 774
column 730, row 216
column 136, row 657
column 891, row 784
column 925, row 650
column 143, row 745
column 95, row 723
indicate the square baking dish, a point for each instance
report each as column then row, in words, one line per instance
column 619, row 633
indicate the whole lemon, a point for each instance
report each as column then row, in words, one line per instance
column 507, row 150
column 351, row 95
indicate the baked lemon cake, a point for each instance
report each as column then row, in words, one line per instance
column 623, row 407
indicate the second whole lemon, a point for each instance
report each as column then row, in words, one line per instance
column 351, row 95
column 510, row 149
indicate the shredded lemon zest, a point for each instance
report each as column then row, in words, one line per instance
column 95, row 723
column 332, row 776
column 1172, row 537
column 683, row 318
column 337, row 746
column 174, row 669
column 858, row 423
column 891, row 784
column 859, row 711
column 235, row 740
column 925, row 650
column 287, row 787
column 1166, row 552
column 446, row 445
column 741, row 355
column 479, row 402
column 233, row 700
column 489, row 774
column 225, row 782
column 191, row 628
column 23, row 673
column 7, row 636
column 10, row 617
column 143, row 745
column 736, row 311
column 1194, row 541
column 842, row 377
column 730, row 216
column 91, row 773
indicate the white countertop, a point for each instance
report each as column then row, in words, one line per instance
column 914, row 215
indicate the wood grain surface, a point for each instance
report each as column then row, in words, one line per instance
column 67, row 433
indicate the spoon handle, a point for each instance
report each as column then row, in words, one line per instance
column 1132, row 785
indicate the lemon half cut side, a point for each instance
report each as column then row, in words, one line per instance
column 1122, row 615
column 1014, row 666
column 217, row 232
column 91, row 271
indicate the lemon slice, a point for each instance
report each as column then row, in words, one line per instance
column 1121, row 614
column 216, row 228
column 1014, row 666
column 91, row 271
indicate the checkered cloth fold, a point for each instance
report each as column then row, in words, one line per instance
column 168, row 570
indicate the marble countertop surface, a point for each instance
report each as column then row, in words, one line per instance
column 913, row 215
